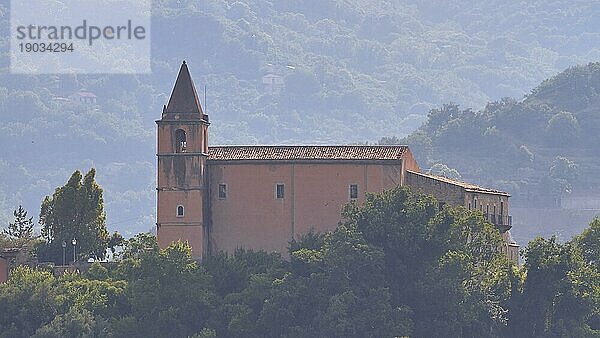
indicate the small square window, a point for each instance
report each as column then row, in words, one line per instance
column 353, row 191
column 279, row 191
column 222, row 191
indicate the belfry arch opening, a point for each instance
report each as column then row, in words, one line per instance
column 180, row 141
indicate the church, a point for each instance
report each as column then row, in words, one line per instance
column 262, row 197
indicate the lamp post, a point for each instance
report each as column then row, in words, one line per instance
column 74, row 242
column 64, row 246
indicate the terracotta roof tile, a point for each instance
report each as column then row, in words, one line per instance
column 467, row 186
column 233, row 153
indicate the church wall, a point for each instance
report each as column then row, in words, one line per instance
column 321, row 191
column 409, row 162
column 444, row 192
column 250, row 216
column 315, row 193
column 192, row 234
column 181, row 170
column 490, row 204
column 168, row 200
column 188, row 227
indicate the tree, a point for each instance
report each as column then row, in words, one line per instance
column 589, row 243
column 454, row 277
column 562, row 129
column 75, row 211
column 441, row 169
column 75, row 323
column 561, row 293
column 560, row 178
column 27, row 301
column 336, row 289
column 22, row 227
column 169, row 294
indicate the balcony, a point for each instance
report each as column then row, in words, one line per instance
column 504, row 223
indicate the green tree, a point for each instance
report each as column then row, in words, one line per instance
column 170, row 295
column 27, row 301
column 75, row 211
column 74, row 323
column 561, row 293
column 102, row 298
column 455, row 279
column 589, row 243
column 139, row 244
column 336, row 288
column 22, row 227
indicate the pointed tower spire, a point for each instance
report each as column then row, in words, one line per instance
column 184, row 99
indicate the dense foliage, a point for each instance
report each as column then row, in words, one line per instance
column 541, row 148
column 397, row 266
column 73, row 221
column 346, row 66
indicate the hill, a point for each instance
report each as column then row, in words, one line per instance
column 544, row 148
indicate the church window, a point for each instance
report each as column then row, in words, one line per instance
column 222, row 191
column 353, row 191
column 180, row 211
column 279, row 191
column 180, row 141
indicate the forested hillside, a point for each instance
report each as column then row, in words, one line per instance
column 544, row 149
column 341, row 72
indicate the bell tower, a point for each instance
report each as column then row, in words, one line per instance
column 182, row 154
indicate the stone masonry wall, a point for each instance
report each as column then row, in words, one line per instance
column 444, row 192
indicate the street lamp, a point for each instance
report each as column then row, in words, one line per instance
column 64, row 246
column 74, row 242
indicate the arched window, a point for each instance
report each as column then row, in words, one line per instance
column 180, row 141
column 180, row 211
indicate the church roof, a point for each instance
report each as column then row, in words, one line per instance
column 239, row 153
column 467, row 186
column 184, row 98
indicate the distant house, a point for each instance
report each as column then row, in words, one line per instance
column 272, row 82
column 84, row 97
column 10, row 257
